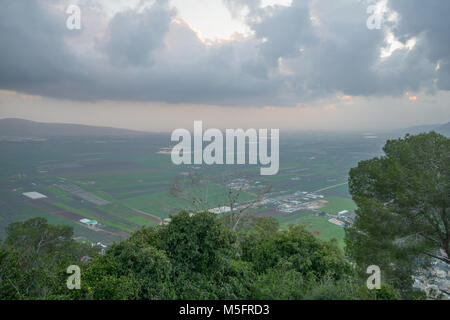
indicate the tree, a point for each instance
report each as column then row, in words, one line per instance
column 297, row 248
column 403, row 202
column 129, row 270
column 193, row 191
column 34, row 258
column 197, row 242
column 36, row 236
column 196, row 256
column 11, row 280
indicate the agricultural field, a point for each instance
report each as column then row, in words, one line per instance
column 318, row 225
column 124, row 183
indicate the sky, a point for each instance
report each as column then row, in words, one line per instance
column 158, row 65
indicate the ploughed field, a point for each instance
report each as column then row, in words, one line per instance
column 124, row 183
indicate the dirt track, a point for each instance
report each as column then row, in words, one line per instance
column 156, row 219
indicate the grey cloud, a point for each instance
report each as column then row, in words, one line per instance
column 285, row 30
column 344, row 53
column 142, row 56
column 430, row 22
column 133, row 36
column 33, row 55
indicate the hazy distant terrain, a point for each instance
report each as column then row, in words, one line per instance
column 11, row 127
column 121, row 179
column 443, row 129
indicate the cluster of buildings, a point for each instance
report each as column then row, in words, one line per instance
column 343, row 219
column 220, row 210
column 88, row 222
column 100, row 246
column 337, row 222
column 239, row 184
column 346, row 218
column 101, row 250
column 34, row 195
column 300, row 200
column 435, row 282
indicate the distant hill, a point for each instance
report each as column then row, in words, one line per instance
column 20, row 128
column 443, row 129
column 12, row 127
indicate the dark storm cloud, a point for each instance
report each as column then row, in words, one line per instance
column 346, row 56
column 134, row 36
column 285, row 30
column 142, row 55
column 33, row 56
column 430, row 22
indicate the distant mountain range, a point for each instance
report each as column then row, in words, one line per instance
column 443, row 129
column 12, row 127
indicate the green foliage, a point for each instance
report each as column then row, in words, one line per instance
column 194, row 257
column 386, row 292
column 34, row 258
column 138, row 272
column 10, row 278
column 403, row 208
column 296, row 247
column 196, row 243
